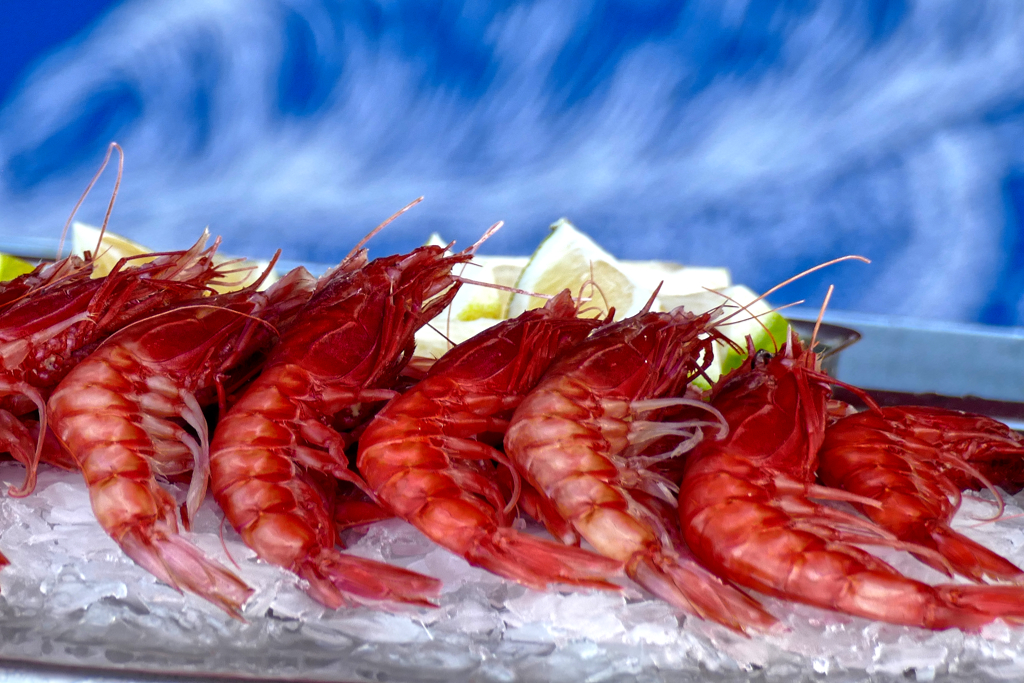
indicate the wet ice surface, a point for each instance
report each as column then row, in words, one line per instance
column 71, row 597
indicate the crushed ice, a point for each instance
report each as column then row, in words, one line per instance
column 71, row 597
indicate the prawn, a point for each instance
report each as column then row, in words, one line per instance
column 65, row 314
column 746, row 509
column 277, row 454
column 581, row 436
column 915, row 461
column 426, row 454
column 54, row 316
column 119, row 413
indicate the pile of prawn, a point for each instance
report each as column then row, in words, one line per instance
column 304, row 410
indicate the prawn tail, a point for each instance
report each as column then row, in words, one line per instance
column 971, row 559
column 178, row 563
column 690, row 587
column 339, row 580
column 539, row 563
column 970, row 607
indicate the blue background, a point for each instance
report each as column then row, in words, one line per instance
column 763, row 136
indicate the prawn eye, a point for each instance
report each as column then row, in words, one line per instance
column 761, row 358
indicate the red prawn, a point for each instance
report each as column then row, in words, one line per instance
column 746, row 509
column 581, row 439
column 119, row 414
column 915, row 461
column 54, row 316
column 278, row 452
column 426, row 454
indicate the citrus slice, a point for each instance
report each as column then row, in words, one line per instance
column 434, row 340
column 435, row 240
column 479, row 301
column 675, row 279
column 12, row 266
column 569, row 259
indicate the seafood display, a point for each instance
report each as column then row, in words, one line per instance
column 306, row 411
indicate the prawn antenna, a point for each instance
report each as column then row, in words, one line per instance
column 224, row 543
column 484, row 237
column 110, row 205
column 504, row 288
column 805, row 273
column 448, row 339
column 369, row 236
column 198, row 306
column 753, row 316
column 594, row 287
column 821, row 314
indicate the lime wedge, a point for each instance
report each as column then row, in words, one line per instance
column 12, row 266
column 742, row 316
column 567, row 258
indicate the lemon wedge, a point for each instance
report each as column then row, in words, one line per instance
column 434, row 340
column 567, row 258
column 480, row 301
column 12, row 266
column 675, row 279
